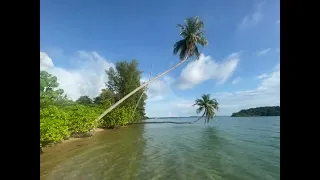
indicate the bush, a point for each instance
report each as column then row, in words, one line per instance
column 53, row 125
column 60, row 122
column 117, row 117
column 82, row 119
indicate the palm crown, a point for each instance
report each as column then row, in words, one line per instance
column 192, row 34
column 207, row 105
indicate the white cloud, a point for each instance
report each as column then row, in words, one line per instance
column 45, row 61
column 87, row 78
column 253, row 18
column 262, row 76
column 263, row 52
column 172, row 106
column 236, row 80
column 205, row 69
column 267, row 93
column 159, row 89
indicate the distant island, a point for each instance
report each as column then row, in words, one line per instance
column 258, row 111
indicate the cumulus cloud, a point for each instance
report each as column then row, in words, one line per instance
column 263, row 52
column 236, row 80
column 172, row 106
column 86, row 78
column 159, row 89
column 45, row 61
column 267, row 93
column 264, row 75
column 205, row 69
column 253, row 18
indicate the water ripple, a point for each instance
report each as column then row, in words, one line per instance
column 230, row 148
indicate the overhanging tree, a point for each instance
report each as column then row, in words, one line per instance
column 192, row 36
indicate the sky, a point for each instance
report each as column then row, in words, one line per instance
column 240, row 67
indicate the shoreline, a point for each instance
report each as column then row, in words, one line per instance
column 72, row 139
column 97, row 130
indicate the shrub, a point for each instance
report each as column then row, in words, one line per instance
column 82, row 119
column 53, row 125
column 117, row 117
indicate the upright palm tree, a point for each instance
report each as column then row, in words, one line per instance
column 208, row 106
column 192, row 35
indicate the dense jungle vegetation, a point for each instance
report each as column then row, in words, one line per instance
column 62, row 118
column 258, row 111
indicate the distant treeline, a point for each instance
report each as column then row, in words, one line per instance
column 258, row 111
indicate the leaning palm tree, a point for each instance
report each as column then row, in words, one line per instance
column 208, row 106
column 192, row 35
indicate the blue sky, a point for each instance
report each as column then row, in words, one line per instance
column 240, row 67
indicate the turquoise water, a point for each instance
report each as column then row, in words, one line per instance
column 228, row 148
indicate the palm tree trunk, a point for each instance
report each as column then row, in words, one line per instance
column 168, row 122
column 141, row 96
column 138, row 88
column 199, row 118
column 137, row 104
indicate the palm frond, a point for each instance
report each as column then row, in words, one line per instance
column 178, row 46
column 208, row 105
column 200, row 109
column 192, row 33
column 181, row 26
column 202, row 41
column 196, row 53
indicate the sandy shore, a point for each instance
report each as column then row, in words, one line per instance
column 97, row 130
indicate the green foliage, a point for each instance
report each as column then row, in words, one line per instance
column 53, row 125
column 82, row 119
column 122, row 81
column 61, row 117
column 192, row 35
column 85, row 100
column 118, row 117
column 106, row 98
column 258, row 111
column 207, row 105
column 48, row 89
column 58, row 123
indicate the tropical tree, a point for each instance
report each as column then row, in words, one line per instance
column 49, row 91
column 122, row 80
column 84, row 100
column 207, row 106
column 192, row 36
